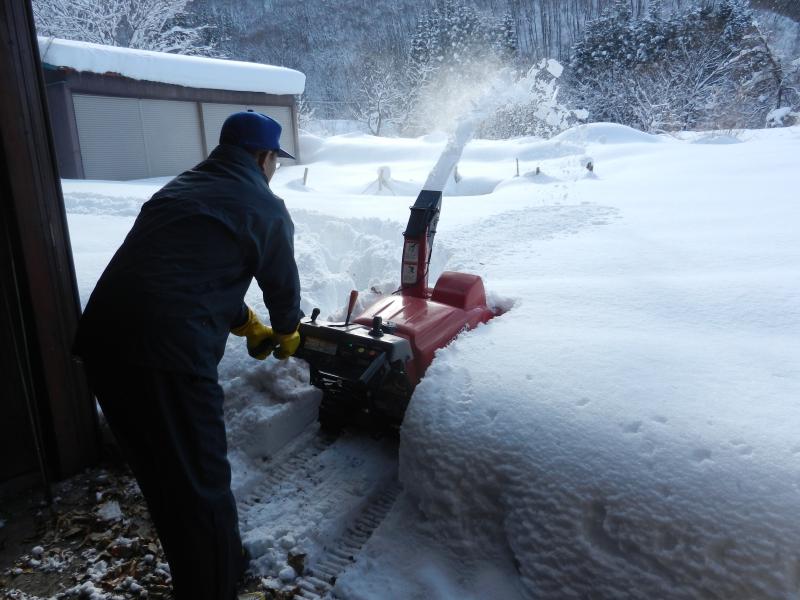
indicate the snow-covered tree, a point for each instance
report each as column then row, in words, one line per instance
column 145, row 24
column 705, row 67
column 377, row 96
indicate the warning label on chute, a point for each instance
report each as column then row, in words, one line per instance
column 409, row 274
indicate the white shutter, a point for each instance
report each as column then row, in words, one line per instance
column 111, row 137
column 214, row 116
column 283, row 115
column 172, row 136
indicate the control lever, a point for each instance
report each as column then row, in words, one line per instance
column 377, row 322
column 314, row 315
column 350, row 306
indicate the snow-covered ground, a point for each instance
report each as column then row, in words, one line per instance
column 628, row 428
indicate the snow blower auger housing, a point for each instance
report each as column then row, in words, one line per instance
column 369, row 368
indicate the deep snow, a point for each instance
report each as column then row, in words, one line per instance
column 626, row 429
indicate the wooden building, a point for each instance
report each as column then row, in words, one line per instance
column 121, row 114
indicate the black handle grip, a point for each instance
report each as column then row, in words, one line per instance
column 267, row 345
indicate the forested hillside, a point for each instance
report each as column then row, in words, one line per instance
column 327, row 39
column 398, row 65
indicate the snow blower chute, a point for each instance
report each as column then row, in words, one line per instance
column 369, row 367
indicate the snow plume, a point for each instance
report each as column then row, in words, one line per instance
column 450, row 156
column 531, row 106
column 508, row 105
column 452, row 92
column 479, row 104
column 454, row 52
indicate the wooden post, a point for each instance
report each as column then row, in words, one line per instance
column 305, row 176
column 517, row 175
column 45, row 293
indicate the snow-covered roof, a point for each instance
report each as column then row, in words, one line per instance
column 177, row 69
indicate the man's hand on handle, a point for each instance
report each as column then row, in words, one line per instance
column 286, row 344
column 262, row 340
column 258, row 335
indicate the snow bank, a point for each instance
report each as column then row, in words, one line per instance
column 404, row 559
column 178, row 69
column 634, row 412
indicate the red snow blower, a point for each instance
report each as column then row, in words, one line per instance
column 368, row 368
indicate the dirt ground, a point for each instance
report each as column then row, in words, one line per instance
column 95, row 541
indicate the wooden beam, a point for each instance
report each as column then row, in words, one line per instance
column 45, row 275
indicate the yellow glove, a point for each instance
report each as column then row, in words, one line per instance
column 287, row 344
column 260, row 338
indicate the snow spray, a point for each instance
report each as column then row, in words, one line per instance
column 421, row 229
column 500, row 91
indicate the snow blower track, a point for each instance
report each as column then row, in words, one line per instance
column 297, row 466
column 340, row 555
column 322, row 499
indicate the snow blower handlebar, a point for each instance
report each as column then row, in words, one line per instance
column 418, row 244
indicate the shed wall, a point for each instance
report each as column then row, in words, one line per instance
column 111, row 127
column 214, row 116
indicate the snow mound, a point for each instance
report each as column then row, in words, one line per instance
column 606, row 133
column 717, row 138
column 524, row 149
column 781, row 116
column 360, row 148
column 102, row 204
column 470, row 186
column 385, row 185
column 620, row 408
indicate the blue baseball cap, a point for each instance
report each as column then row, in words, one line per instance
column 252, row 131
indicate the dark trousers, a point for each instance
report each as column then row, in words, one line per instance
column 170, row 428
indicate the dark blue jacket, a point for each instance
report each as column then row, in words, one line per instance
column 175, row 287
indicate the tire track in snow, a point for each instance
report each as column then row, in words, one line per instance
column 323, row 501
column 295, row 466
column 500, row 237
column 319, row 582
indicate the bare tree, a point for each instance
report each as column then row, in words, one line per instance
column 376, row 96
column 306, row 112
column 143, row 24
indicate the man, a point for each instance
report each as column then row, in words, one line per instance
column 155, row 329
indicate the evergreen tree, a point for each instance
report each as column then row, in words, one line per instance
column 705, row 67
